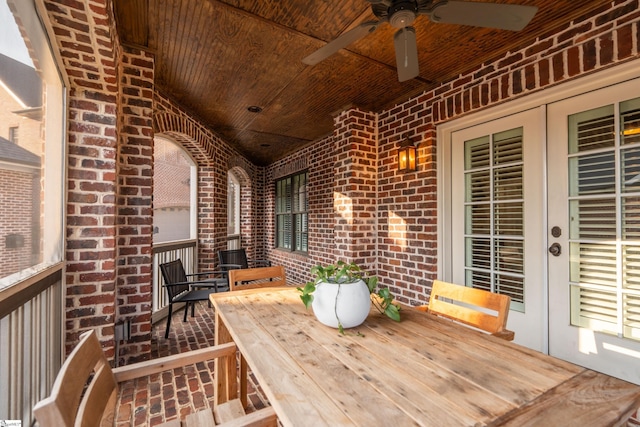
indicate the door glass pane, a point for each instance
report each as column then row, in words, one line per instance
column 494, row 214
column 630, row 121
column 604, row 210
column 592, row 130
column 477, row 153
column 593, row 219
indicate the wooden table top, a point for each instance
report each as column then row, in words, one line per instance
column 423, row 370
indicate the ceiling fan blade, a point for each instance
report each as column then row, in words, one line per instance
column 512, row 17
column 406, row 53
column 341, row 42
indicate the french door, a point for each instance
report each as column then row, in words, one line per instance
column 594, row 230
column 544, row 205
column 497, row 217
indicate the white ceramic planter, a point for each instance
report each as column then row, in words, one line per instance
column 351, row 306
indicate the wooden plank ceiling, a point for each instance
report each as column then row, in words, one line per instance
column 218, row 57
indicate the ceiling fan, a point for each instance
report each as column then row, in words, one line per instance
column 402, row 13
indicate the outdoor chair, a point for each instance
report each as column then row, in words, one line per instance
column 250, row 278
column 478, row 308
column 190, row 288
column 238, row 257
column 85, row 392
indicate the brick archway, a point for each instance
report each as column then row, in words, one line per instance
column 204, row 147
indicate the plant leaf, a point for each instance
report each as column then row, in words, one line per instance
column 307, row 299
column 393, row 312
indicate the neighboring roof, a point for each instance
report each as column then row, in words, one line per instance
column 22, row 80
column 13, row 153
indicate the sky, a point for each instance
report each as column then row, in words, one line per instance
column 11, row 43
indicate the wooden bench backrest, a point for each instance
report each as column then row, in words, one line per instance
column 257, row 277
column 87, row 367
column 475, row 307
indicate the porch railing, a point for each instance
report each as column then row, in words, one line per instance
column 233, row 241
column 184, row 250
column 31, row 342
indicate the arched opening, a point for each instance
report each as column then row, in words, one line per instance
column 174, row 192
column 234, row 240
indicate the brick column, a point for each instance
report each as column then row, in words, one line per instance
column 355, row 184
column 85, row 41
column 134, row 201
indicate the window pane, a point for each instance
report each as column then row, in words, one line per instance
column 477, row 153
column 592, row 130
column 233, row 205
column 31, row 168
column 494, row 214
column 631, row 169
column 593, row 219
column 478, row 186
column 604, row 210
column 592, row 174
column 630, row 121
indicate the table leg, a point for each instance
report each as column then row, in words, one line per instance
column 226, row 368
column 243, row 381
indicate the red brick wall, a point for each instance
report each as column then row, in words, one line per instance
column 355, row 188
column 16, row 209
column 84, row 39
column 407, row 211
column 134, row 201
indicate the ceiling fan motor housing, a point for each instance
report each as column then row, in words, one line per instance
column 402, row 13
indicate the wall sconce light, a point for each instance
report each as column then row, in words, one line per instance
column 407, row 155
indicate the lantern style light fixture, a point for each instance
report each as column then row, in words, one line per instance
column 407, row 155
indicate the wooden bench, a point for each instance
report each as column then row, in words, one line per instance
column 478, row 308
column 86, row 389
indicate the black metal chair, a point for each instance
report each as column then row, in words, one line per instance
column 238, row 258
column 190, row 288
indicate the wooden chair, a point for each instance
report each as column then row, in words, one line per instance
column 481, row 309
column 189, row 288
column 86, row 389
column 238, row 257
column 250, row 278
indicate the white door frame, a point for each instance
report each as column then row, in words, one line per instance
column 607, row 77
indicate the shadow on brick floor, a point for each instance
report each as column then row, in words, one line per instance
column 174, row 394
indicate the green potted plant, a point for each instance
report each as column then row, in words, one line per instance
column 341, row 295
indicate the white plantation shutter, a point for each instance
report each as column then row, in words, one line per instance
column 604, row 210
column 494, row 214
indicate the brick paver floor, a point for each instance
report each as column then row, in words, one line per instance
column 153, row 400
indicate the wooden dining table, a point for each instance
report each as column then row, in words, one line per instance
column 421, row 371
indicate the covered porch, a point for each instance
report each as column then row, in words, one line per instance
column 400, row 225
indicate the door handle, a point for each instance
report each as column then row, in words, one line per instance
column 555, row 249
